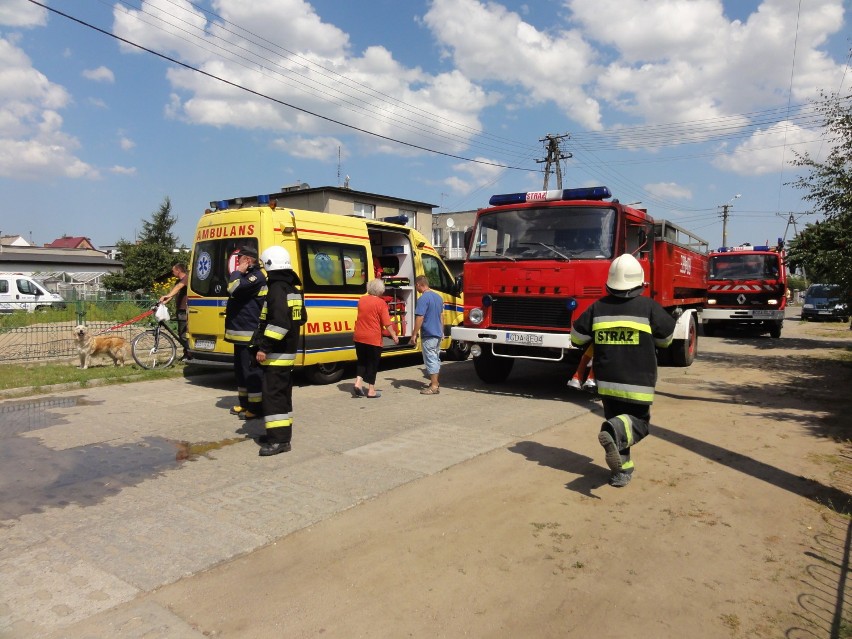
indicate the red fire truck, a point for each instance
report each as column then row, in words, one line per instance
column 536, row 260
column 747, row 288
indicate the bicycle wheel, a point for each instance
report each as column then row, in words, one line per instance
column 153, row 350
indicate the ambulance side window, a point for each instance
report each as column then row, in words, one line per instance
column 330, row 267
column 211, row 261
column 439, row 277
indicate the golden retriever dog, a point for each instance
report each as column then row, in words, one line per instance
column 89, row 346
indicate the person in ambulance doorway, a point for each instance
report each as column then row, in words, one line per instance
column 246, row 293
column 276, row 341
column 626, row 329
column 373, row 316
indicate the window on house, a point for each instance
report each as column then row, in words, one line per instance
column 412, row 217
column 363, row 209
column 456, row 239
column 437, row 236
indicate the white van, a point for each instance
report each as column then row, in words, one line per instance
column 21, row 293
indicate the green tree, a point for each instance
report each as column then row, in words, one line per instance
column 824, row 249
column 151, row 257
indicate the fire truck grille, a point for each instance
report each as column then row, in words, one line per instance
column 531, row 312
column 753, row 299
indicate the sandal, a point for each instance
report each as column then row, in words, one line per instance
column 430, row 391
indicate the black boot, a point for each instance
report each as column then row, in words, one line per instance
column 274, row 448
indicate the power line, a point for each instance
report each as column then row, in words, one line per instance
column 276, row 100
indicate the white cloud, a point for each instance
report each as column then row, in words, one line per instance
column 769, row 150
column 684, row 60
column 669, row 190
column 32, row 143
column 126, row 143
column 123, row 170
column 320, row 148
column 377, row 94
column 101, row 74
column 478, row 174
column 488, row 43
column 21, row 13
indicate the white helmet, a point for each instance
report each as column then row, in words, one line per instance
column 276, row 258
column 626, row 277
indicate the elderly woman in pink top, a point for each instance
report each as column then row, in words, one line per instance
column 373, row 316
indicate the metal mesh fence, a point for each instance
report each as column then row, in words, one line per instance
column 49, row 334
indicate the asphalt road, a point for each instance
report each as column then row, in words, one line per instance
column 110, row 492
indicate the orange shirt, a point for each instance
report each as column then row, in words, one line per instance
column 373, row 315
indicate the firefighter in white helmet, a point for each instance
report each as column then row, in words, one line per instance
column 276, row 342
column 626, row 328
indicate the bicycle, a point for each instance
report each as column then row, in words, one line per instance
column 157, row 346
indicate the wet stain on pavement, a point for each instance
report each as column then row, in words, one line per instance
column 34, row 477
column 191, row 452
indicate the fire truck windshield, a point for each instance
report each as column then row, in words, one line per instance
column 547, row 233
column 733, row 266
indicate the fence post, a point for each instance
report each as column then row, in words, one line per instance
column 80, row 306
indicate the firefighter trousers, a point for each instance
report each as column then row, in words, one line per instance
column 278, row 403
column 249, row 379
column 628, row 423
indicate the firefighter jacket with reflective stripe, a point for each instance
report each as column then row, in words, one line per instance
column 625, row 333
column 281, row 319
column 246, row 292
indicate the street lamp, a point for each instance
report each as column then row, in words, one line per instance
column 725, row 208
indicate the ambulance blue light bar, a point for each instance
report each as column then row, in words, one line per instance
column 262, row 200
column 586, row 193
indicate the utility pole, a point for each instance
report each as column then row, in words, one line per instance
column 554, row 156
column 725, row 208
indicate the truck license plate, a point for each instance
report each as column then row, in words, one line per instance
column 205, row 344
column 763, row 313
column 524, row 338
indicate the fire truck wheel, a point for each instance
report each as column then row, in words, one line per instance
column 683, row 350
column 325, row 373
column 775, row 330
column 491, row 369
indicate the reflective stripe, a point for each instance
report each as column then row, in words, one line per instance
column 664, row 342
column 281, row 420
column 238, row 336
column 263, row 311
column 628, row 428
column 255, row 397
column 279, row 359
column 275, row 332
column 242, row 392
column 613, row 321
column 644, row 394
column 578, row 338
column 628, row 465
column 232, row 285
column 263, row 291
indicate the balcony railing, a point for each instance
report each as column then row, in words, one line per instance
column 451, row 253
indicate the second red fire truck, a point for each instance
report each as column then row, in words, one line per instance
column 747, row 288
column 537, row 260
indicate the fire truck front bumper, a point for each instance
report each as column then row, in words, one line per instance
column 511, row 338
column 741, row 315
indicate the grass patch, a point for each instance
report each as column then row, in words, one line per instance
column 40, row 375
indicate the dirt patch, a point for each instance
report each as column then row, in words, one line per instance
column 736, row 524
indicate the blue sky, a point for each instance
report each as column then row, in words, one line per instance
column 679, row 104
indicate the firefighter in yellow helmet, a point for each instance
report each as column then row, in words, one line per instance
column 626, row 329
column 276, row 342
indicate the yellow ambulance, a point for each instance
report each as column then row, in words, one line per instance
column 335, row 256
